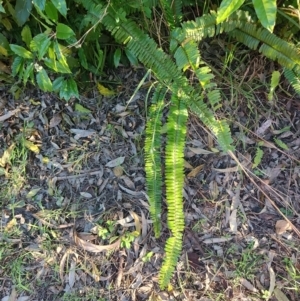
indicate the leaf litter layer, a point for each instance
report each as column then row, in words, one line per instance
column 75, row 223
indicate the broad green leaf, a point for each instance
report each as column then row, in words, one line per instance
column 51, row 52
column 23, row 9
column 21, row 51
column 64, row 32
column 117, row 57
column 36, row 41
column 82, row 58
column 226, row 8
column 4, row 45
column 17, row 66
column 40, row 4
column 51, row 11
column 6, row 23
column 63, row 65
column 3, row 51
column 44, row 48
column 274, row 83
column 68, row 89
column 2, row 10
column 26, row 35
column 61, row 6
column 44, row 81
column 28, row 72
column 81, row 109
column 57, row 66
column 266, row 12
column 57, row 83
column 40, row 44
column 51, row 63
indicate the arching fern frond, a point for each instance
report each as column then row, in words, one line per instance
column 239, row 26
column 271, row 46
column 293, row 78
column 174, row 179
column 153, row 157
column 143, row 47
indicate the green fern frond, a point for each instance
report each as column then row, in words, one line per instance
column 239, row 25
column 272, row 46
column 172, row 11
column 174, row 163
column 174, row 179
column 144, row 48
column 293, row 78
column 173, row 249
column 177, row 10
column 153, row 157
column 202, row 27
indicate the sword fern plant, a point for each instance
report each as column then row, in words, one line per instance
column 202, row 99
column 174, row 89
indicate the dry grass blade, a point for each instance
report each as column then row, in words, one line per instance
column 247, row 172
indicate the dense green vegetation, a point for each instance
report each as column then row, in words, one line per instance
column 55, row 44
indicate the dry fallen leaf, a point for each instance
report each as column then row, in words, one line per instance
column 248, row 285
column 55, row 120
column 118, row 171
column 195, row 171
column 260, row 131
column 72, row 274
column 82, row 133
column 31, row 146
column 280, row 296
column 200, row 151
column 86, row 195
column 282, row 226
column 90, row 247
column 115, row 162
column 7, row 155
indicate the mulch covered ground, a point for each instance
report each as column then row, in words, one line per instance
column 76, row 226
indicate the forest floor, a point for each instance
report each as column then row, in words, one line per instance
column 75, row 223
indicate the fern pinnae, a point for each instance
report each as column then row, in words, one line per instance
column 293, row 78
column 174, row 179
column 173, row 249
column 153, row 157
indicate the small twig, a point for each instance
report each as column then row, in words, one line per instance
column 92, row 173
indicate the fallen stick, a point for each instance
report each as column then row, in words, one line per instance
column 78, row 176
